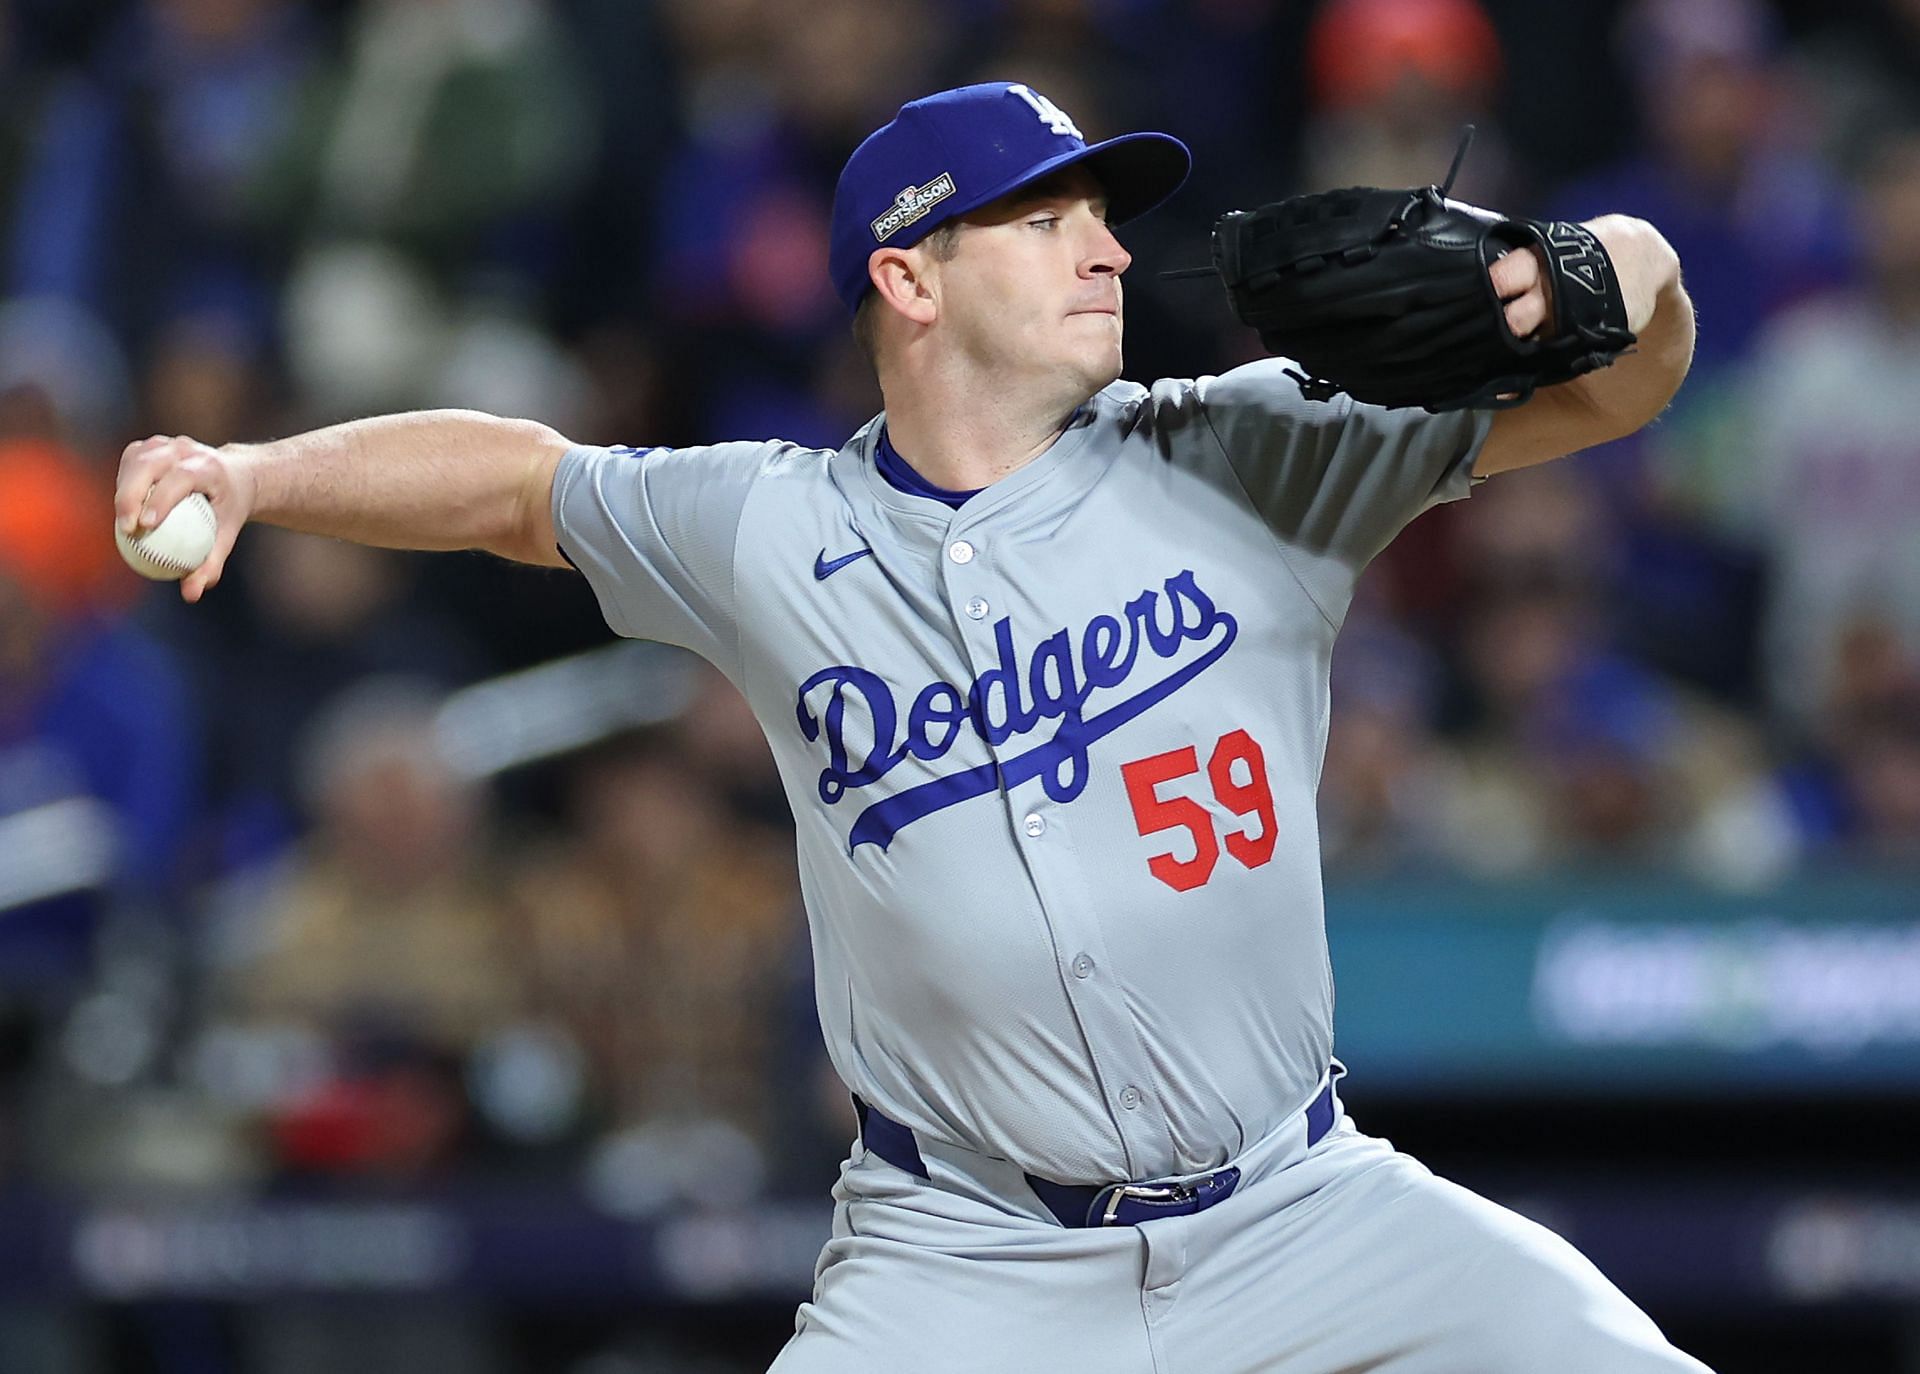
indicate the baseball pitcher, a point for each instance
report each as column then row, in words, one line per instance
column 1043, row 659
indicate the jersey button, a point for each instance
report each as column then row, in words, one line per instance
column 1036, row 826
column 1130, row 1098
column 978, row 608
column 1082, row 966
column 960, row 551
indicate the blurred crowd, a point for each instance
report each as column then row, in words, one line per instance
column 272, row 915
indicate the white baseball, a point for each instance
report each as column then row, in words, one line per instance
column 174, row 547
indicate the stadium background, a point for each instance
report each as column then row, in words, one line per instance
column 396, row 974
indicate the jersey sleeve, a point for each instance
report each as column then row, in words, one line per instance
column 653, row 530
column 1338, row 478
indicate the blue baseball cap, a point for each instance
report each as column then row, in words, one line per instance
column 951, row 153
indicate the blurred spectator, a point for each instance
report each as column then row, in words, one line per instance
column 627, row 393
column 1757, row 221
column 742, row 214
column 659, row 930
column 1216, row 73
column 1862, row 71
column 1379, row 790
column 364, row 330
column 1852, row 782
column 1831, row 437
column 1879, row 755
column 1572, row 750
column 137, row 197
column 387, row 917
column 367, row 333
column 451, row 132
column 1583, row 757
column 384, row 935
column 63, row 378
column 55, row 548
column 317, row 616
column 1394, row 82
column 205, row 377
column 806, row 1107
column 99, row 740
column 844, row 72
column 742, row 229
column 1725, row 171
column 724, row 742
column 425, row 182
column 89, row 705
column 502, row 362
column 1071, row 50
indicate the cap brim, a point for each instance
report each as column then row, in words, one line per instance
column 1138, row 172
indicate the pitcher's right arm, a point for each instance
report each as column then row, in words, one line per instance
column 438, row 479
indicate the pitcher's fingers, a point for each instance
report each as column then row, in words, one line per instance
column 172, row 485
column 1527, row 313
column 140, row 463
column 1515, row 274
column 202, row 579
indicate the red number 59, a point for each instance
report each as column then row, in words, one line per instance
column 1249, row 796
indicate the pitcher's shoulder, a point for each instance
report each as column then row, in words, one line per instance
column 788, row 463
column 1168, row 405
column 739, row 458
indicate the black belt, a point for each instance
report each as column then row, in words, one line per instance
column 1079, row 1205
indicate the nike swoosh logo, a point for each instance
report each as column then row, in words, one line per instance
column 822, row 569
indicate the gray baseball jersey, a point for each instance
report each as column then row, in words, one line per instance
column 1051, row 755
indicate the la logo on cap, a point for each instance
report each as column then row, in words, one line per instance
column 1050, row 114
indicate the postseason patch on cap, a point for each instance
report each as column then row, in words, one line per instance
column 912, row 204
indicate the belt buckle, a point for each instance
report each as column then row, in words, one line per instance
column 1162, row 1193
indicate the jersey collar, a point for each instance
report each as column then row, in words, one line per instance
column 902, row 475
column 1052, row 468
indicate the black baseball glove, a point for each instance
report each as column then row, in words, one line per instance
column 1386, row 295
